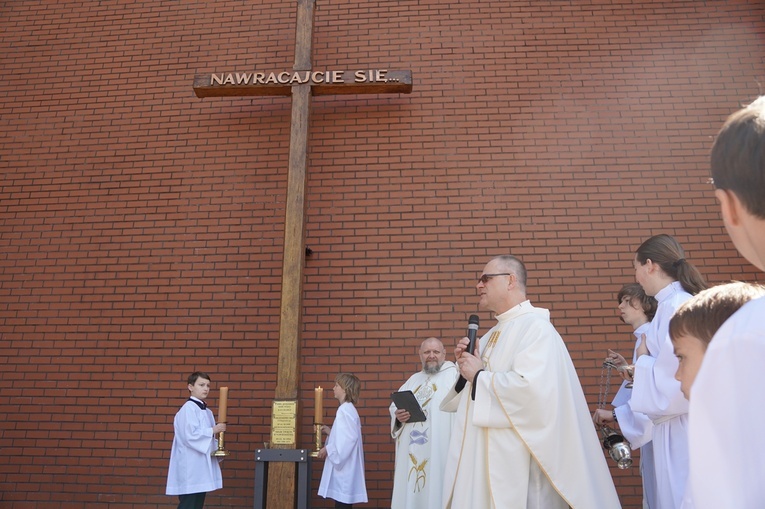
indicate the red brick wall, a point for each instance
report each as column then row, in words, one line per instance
column 141, row 228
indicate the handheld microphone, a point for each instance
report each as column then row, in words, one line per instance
column 471, row 332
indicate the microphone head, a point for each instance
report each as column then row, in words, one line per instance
column 473, row 322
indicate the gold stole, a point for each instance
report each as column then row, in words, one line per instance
column 486, row 354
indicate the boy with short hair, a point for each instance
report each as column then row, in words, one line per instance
column 193, row 471
column 726, row 467
column 696, row 321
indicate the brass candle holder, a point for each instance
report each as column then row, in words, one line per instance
column 316, row 440
column 221, row 451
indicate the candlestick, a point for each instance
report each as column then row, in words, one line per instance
column 318, row 409
column 222, row 404
column 316, row 440
column 221, row 451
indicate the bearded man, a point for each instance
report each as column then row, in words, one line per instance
column 421, row 447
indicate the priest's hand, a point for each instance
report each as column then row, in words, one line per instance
column 601, row 417
column 468, row 364
column 402, row 415
column 326, row 429
column 322, row 453
column 221, row 426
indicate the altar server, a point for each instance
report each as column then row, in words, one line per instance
column 193, row 472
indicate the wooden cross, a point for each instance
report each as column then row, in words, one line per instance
column 301, row 83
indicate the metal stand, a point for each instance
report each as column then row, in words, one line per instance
column 302, row 459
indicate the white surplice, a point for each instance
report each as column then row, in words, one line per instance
column 527, row 441
column 657, row 394
column 637, row 428
column 343, row 476
column 727, row 407
column 421, row 447
column 192, row 469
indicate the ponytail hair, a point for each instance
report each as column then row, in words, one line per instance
column 665, row 251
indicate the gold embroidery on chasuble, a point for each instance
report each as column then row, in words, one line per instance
column 418, row 470
column 419, row 436
column 424, row 393
column 486, row 358
column 486, row 355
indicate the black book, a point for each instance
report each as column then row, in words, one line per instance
column 405, row 400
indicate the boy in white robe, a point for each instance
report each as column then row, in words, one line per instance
column 637, row 309
column 523, row 436
column 193, row 471
column 695, row 323
column 727, row 468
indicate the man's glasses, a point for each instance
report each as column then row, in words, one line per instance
column 486, row 277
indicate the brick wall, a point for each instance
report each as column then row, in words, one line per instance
column 141, row 228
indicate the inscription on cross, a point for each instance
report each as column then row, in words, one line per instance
column 300, row 83
column 330, row 82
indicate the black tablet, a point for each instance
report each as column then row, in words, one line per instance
column 406, row 401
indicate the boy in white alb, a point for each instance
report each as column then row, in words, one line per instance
column 727, row 469
column 193, row 472
column 637, row 309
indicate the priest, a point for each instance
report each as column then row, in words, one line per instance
column 523, row 437
column 421, row 447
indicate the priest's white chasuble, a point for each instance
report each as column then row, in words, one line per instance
column 421, row 447
column 527, row 441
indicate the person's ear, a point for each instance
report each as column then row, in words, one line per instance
column 730, row 206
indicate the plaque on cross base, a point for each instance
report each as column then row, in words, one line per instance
column 284, row 423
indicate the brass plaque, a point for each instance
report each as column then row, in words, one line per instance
column 284, row 423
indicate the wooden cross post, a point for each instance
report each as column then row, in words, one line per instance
column 301, row 83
